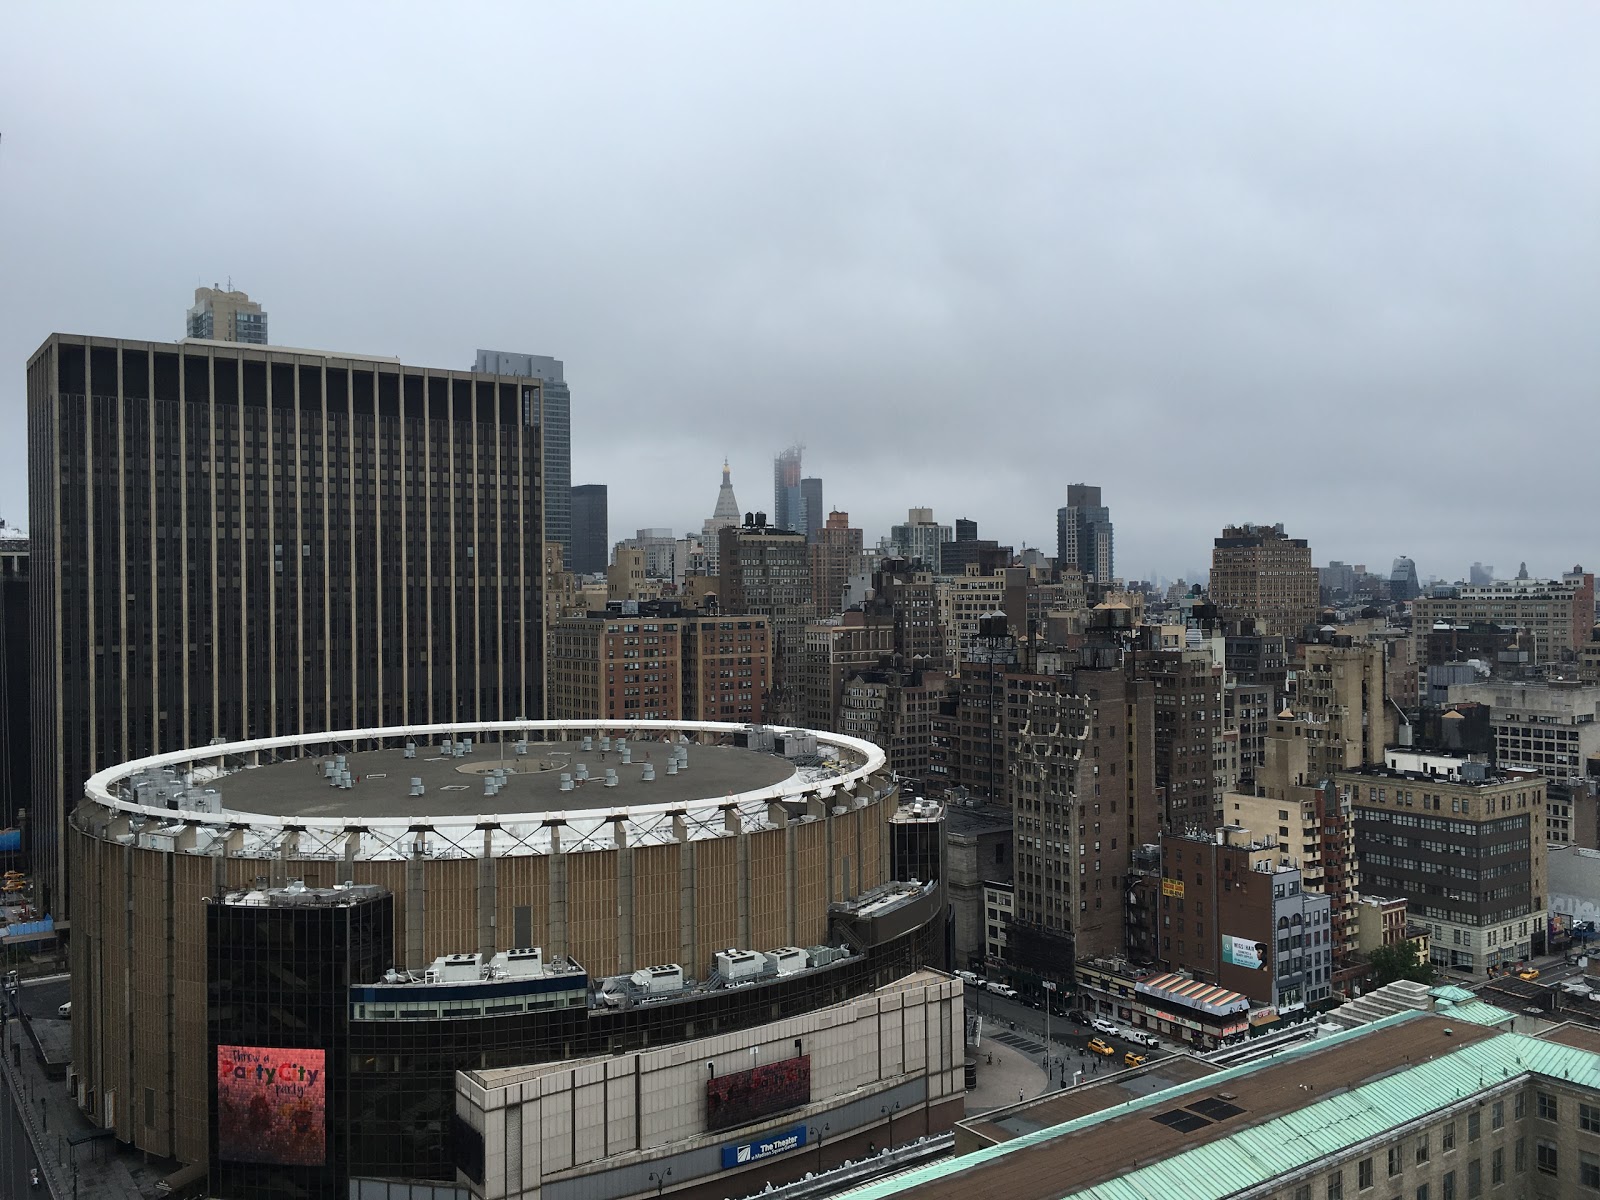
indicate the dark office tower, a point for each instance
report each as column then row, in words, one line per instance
column 280, row 963
column 14, row 655
column 966, row 531
column 788, row 504
column 551, row 410
column 241, row 541
column 811, row 514
column 591, row 537
column 1083, row 535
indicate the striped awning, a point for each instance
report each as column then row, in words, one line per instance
column 1207, row 997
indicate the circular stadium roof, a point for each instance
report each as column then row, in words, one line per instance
column 361, row 792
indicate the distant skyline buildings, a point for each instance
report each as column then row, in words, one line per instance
column 223, row 315
column 812, row 515
column 591, row 530
column 1084, row 534
column 788, row 501
column 551, row 410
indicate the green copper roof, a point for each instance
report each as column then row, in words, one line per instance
column 1479, row 1012
column 1449, row 991
column 1287, row 1144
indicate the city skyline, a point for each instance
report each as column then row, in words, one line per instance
column 1288, row 264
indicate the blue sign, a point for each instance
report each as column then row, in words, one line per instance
column 775, row 1143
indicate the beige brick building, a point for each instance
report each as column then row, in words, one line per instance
column 1259, row 571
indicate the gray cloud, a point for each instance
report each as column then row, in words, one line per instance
column 1337, row 267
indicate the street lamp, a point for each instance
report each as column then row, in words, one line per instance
column 890, row 1112
column 819, row 1134
column 660, row 1180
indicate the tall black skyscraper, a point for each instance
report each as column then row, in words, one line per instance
column 591, row 532
column 811, row 514
column 242, row 541
column 15, row 767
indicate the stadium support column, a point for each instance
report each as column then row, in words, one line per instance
column 559, row 946
column 686, row 924
column 625, row 963
column 487, row 896
column 417, row 905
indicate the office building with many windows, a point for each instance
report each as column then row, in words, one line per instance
column 240, row 541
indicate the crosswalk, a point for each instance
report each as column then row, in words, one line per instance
column 1017, row 1042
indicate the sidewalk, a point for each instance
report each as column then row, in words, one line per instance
column 1000, row 1082
column 53, row 1122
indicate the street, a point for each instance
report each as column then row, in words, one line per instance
column 1067, row 1039
column 42, row 999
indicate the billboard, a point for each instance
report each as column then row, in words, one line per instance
column 1172, row 887
column 743, row 1097
column 774, row 1143
column 272, row 1105
column 1244, row 952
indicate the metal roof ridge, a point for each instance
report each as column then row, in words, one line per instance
column 1165, row 1096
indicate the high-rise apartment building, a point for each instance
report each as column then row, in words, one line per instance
column 1084, row 535
column 619, row 667
column 920, row 539
column 811, row 511
column 224, row 315
column 836, row 557
column 1187, row 690
column 591, row 531
column 837, row 648
column 911, row 595
column 1259, row 571
column 244, row 542
column 766, row 572
column 550, row 408
column 727, row 667
column 788, row 499
column 1081, row 779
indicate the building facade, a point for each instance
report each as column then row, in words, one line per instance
column 1259, row 571
column 235, row 542
column 766, row 572
column 920, row 539
column 1551, row 728
column 727, row 667
column 613, row 667
column 16, row 765
column 788, row 498
column 1557, row 613
column 1464, row 846
column 836, row 558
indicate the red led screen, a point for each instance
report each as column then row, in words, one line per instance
column 745, row 1096
column 272, row 1105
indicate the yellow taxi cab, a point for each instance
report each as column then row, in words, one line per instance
column 1130, row 1059
column 1528, row 973
column 1098, row 1046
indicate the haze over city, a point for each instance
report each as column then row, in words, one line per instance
column 1332, row 267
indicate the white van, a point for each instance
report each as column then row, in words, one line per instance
column 967, row 977
column 1002, row 989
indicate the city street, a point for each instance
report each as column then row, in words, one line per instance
column 1067, row 1039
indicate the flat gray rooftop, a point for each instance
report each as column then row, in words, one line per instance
column 454, row 786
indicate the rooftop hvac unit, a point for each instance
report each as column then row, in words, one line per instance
column 588, row 743
column 411, row 749
column 659, row 981
column 457, row 968
column 566, row 781
column 648, row 774
column 416, row 785
column 524, row 963
column 583, row 771
column 672, row 766
column 627, row 751
column 734, row 965
column 605, row 743
column 786, row 960
column 611, row 777
column 522, row 746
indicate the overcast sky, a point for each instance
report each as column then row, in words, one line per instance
column 1337, row 267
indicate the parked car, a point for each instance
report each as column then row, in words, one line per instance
column 1144, row 1039
column 1528, row 973
column 968, row 977
column 1131, row 1059
column 1077, row 1017
column 1103, row 1025
column 1100, row 1046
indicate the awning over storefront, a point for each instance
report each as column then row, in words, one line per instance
column 1208, row 998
